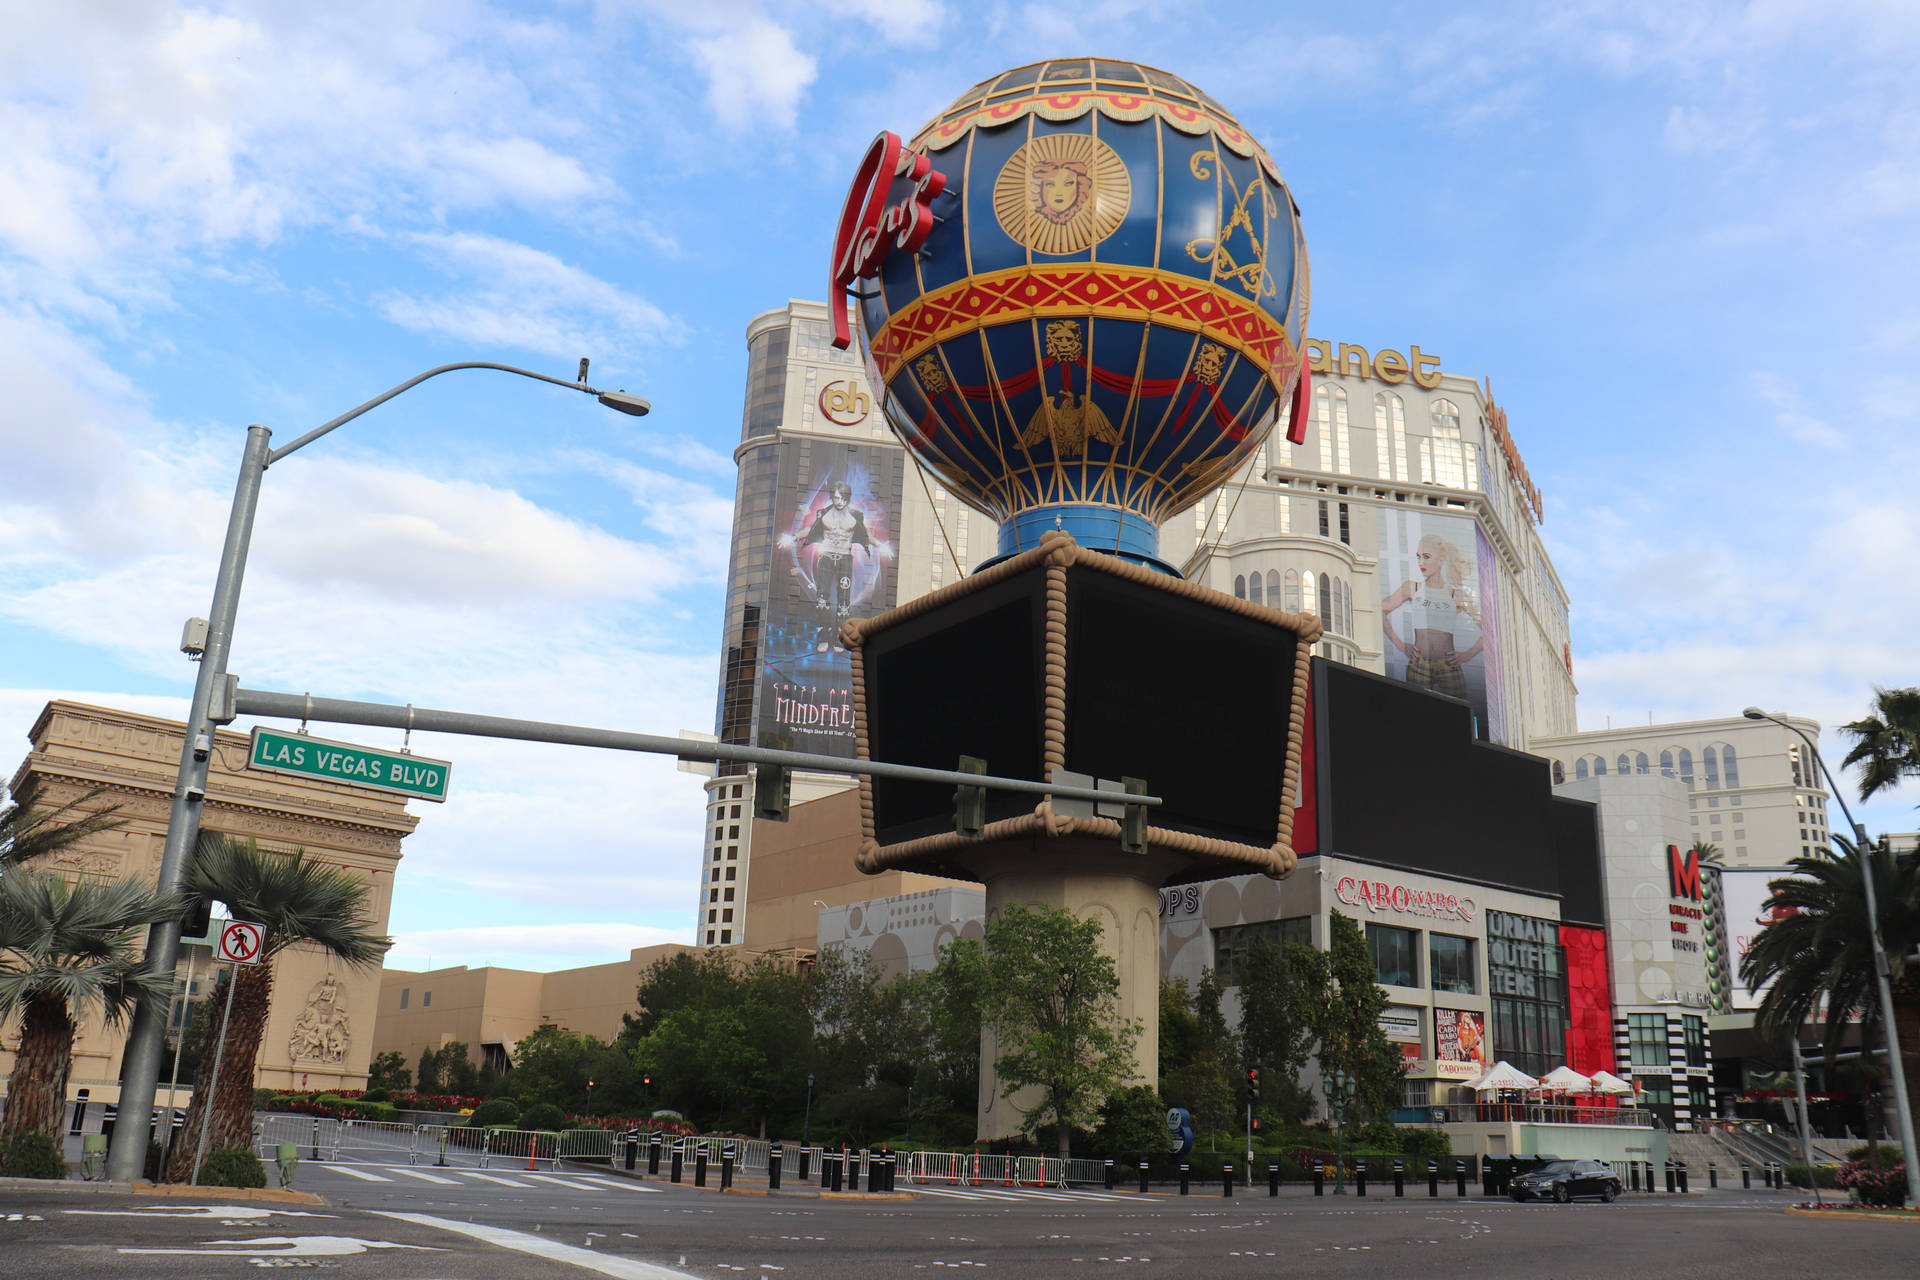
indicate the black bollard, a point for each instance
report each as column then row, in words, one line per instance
column 806, row 1158
column 1459, row 1177
column 1487, row 1178
column 1273, row 1180
column 316, row 1137
column 79, row 1112
column 852, row 1160
column 1143, row 1177
column 1680, row 1171
column 676, row 1162
column 1107, row 1168
column 700, row 1165
column 1746, row 1176
column 1713, row 1176
column 1669, row 1177
column 1633, row 1175
column 109, row 1118
column 1183, row 1177
column 653, row 1155
column 726, row 1170
column 1399, row 1178
column 773, row 1167
column 1433, row 1179
column 633, row 1149
column 1649, row 1169
column 1360, row 1177
column 1226, row 1181
column 1319, row 1177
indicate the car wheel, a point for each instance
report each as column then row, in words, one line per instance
column 1608, row 1192
column 1562, row 1193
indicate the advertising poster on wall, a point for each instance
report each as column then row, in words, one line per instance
column 1441, row 616
column 834, row 559
column 1459, row 1044
column 1749, row 907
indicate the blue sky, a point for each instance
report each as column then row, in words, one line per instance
column 1679, row 238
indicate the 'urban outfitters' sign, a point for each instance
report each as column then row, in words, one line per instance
column 278, row 751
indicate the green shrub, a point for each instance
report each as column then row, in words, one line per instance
column 1885, row 1188
column 495, row 1113
column 1427, row 1144
column 365, row 1110
column 1888, row 1156
column 232, row 1167
column 543, row 1115
column 1797, row 1176
column 376, row 1095
column 33, row 1155
column 263, row 1099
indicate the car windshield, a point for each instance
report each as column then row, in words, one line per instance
column 1558, row 1166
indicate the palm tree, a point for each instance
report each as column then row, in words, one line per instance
column 1819, row 946
column 26, row 833
column 297, row 901
column 68, row 950
column 1886, row 746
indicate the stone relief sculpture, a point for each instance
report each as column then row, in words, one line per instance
column 322, row 1033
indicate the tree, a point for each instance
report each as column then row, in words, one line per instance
column 1283, row 992
column 389, row 1071
column 68, row 950
column 1052, row 999
column 1886, row 744
column 727, row 1041
column 1204, row 1085
column 1179, row 1029
column 427, row 1076
column 457, row 1072
column 1349, row 1026
column 297, row 901
column 26, row 834
column 1818, row 947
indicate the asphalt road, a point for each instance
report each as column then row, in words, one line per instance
column 464, row 1227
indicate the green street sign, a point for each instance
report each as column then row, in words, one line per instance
column 278, row 751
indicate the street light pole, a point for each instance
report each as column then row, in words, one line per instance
column 146, row 1038
column 1863, row 850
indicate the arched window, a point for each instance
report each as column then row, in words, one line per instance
column 1255, row 592
column 1326, row 600
column 1293, row 591
column 1240, row 586
column 1712, row 760
column 1623, row 765
column 1730, row 763
column 1397, row 411
column 1383, row 459
column 1686, row 767
column 1342, row 452
column 1559, row 773
column 1580, row 769
column 1339, row 622
column 1449, row 451
column 1349, row 627
column 1323, row 422
column 1309, row 603
column 1666, row 764
column 1640, row 762
column 1599, row 766
column 1273, row 588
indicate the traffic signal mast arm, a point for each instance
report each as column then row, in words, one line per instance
column 295, row 706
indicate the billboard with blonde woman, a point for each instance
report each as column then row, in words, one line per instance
column 1440, row 616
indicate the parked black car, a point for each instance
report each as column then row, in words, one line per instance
column 1562, row 1180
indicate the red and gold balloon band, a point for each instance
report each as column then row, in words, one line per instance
column 1092, row 289
column 1115, row 104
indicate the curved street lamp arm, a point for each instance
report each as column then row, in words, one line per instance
column 415, row 381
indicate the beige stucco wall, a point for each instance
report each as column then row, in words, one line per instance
column 76, row 747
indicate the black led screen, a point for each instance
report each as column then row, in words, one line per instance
column 1576, row 843
column 963, row 680
column 1192, row 699
column 1404, row 783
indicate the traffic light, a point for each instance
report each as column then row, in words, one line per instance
column 198, row 921
column 1253, row 1083
column 1256, row 1124
column 772, row 791
column 970, row 803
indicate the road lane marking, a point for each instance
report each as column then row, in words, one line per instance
column 489, row 1177
column 586, row 1259
column 427, row 1177
column 352, row 1172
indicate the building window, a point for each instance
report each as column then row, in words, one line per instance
column 1599, row 766
column 731, row 871
column 1712, row 761
column 1293, row 590
column 1309, row 603
column 712, row 916
column 405, row 994
column 1346, row 526
column 1273, row 588
column 1580, row 769
column 426, row 999
column 1666, row 764
column 713, row 895
column 726, row 914
column 1624, row 764
column 1451, row 964
column 1695, row 1030
column 1326, row 529
column 1231, row 944
column 1450, row 465
column 1255, row 591
column 1395, row 955
column 1640, row 763
column 1647, row 1039
column 729, row 897
column 1240, row 586
column 1686, row 767
column 1326, row 600
column 1730, row 763
column 1559, row 773
column 715, row 875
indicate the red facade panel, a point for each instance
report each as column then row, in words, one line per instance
column 1589, row 1000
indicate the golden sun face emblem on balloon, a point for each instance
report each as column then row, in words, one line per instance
column 1061, row 193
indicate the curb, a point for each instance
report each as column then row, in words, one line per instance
column 1853, row 1215
column 167, row 1190
column 869, row 1195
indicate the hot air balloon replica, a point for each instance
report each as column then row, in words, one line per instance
column 1082, row 292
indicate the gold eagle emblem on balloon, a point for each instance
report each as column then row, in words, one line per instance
column 1066, row 420
column 1060, row 193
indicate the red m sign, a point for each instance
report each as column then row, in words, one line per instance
column 1684, row 872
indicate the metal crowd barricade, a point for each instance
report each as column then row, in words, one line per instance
column 586, row 1144
column 1039, row 1171
column 523, row 1148
column 374, row 1142
column 1078, row 1170
column 989, row 1170
column 949, row 1167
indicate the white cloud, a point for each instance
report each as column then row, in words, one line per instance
column 755, row 72
column 1791, row 416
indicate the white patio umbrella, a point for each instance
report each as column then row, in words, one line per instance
column 1503, row 1075
column 1565, row 1080
column 1607, row 1082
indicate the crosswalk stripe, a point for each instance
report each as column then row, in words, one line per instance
column 350, row 1171
column 488, row 1177
column 426, row 1177
column 615, row 1183
column 558, row 1182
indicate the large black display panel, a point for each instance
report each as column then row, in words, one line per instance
column 1576, row 843
column 1404, row 783
column 1192, row 699
column 964, row 680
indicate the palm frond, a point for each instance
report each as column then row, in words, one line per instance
column 83, row 943
column 26, row 834
column 295, row 898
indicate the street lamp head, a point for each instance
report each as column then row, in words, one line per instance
column 1755, row 713
column 635, row 405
